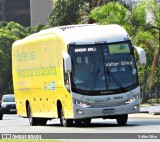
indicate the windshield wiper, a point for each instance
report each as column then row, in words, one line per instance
column 95, row 79
column 116, row 81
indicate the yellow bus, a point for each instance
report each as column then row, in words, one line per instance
column 76, row 73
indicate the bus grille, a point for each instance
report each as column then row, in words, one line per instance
column 103, row 105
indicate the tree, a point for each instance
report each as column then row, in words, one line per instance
column 154, row 8
column 36, row 28
column 112, row 13
column 142, row 34
column 145, row 40
column 65, row 12
column 6, row 40
column 9, row 33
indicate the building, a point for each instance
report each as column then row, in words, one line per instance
column 25, row 12
column 32, row 12
column 40, row 10
column 133, row 3
column 15, row 10
column 158, row 1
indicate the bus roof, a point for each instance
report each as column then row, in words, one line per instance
column 86, row 33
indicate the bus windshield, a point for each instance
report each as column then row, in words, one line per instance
column 103, row 69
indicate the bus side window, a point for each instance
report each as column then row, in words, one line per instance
column 66, row 79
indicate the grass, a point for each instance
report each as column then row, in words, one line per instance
column 153, row 101
column 2, row 140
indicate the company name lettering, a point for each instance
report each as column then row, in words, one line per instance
column 25, row 56
column 85, row 50
column 122, row 63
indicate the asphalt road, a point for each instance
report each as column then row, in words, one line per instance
column 146, row 122
column 16, row 124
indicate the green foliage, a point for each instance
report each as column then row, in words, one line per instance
column 112, row 13
column 35, row 29
column 139, row 15
column 9, row 33
column 154, row 8
column 27, row 140
column 3, row 24
column 143, row 34
column 6, row 40
column 13, row 25
column 65, row 12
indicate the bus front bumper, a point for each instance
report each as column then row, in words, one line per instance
column 105, row 112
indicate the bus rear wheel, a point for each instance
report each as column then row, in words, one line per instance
column 122, row 119
column 32, row 121
column 65, row 122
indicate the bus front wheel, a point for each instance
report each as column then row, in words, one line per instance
column 65, row 122
column 122, row 119
column 87, row 121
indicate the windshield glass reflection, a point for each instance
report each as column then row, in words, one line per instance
column 103, row 67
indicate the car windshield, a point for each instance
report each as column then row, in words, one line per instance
column 8, row 98
column 101, row 68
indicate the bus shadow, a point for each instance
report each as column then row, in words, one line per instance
column 94, row 125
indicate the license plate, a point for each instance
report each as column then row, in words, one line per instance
column 12, row 110
column 108, row 111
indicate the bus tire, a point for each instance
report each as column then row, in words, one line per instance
column 65, row 122
column 86, row 121
column 78, row 122
column 42, row 121
column 122, row 119
column 32, row 121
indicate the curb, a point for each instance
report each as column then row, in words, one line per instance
column 142, row 115
column 154, row 113
column 144, row 111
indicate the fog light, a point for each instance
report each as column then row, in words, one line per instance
column 79, row 111
column 135, row 107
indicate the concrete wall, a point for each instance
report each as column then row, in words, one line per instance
column 40, row 10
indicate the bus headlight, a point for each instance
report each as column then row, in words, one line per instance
column 3, row 105
column 82, row 104
column 134, row 98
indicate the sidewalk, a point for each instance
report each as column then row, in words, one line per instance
column 148, row 111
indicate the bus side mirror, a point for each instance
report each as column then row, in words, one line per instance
column 67, row 62
column 142, row 55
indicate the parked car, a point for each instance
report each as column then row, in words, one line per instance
column 8, row 105
column 1, row 114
